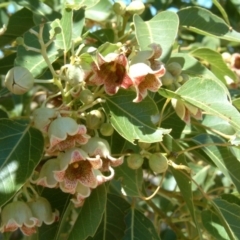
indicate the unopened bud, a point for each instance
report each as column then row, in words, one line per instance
column 20, row 41
column 158, row 163
column 94, row 119
column 119, row 8
column 135, row 7
column 135, row 161
column 167, row 79
column 106, row 129
column 86, row 96
column 174, row 68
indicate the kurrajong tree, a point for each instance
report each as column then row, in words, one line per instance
column 119, row 120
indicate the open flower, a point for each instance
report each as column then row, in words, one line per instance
column 111, row 71
column 185, row 110
column 65, row 133
column 41, row 209
column 16, row 215
column 145, row 78
column 76, row 167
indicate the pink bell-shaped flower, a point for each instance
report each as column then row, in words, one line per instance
column 16, row 215
column 65, row 133
column 42, row 210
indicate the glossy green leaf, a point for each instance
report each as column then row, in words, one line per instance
column 213, row 225
column 161, row 29
column 100, row 11
column 231, row 214
column 139, row 226
column 204, row 22
column 41, row 11
column 223, row 158
column 133, row 120
column 182, row 177
column 217, row 65
column 63, row 40
column 90, row 215
column 112, row 226
column 18, row 24
column 78, row 23
column 77, row 4
column 131, row 180
column 21, row 148
column 34, row 61
column 210, row 97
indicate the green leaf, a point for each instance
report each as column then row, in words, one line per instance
column 77, row 4
column 204, row 22
column 112, row 225
column 209, row 96
column 42, row 12
column 34, row 61
column 131, row 180
column 63, row 40
column 7, row 63
column 90, row 215
column 182, row 178
column 21, row 148
column 213, row 225
column 139, row 226
column 217, row 65
column 231, row 214
column 223, row 157
column 133, row 120
column 78, row 23
column 161, row 29
column 18, row 24
column 100, row 11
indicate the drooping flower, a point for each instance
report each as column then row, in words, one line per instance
column 65, row 133
column 145, row 78
column 111, row 71
column 46, row 176
column 16, row 215
column 41, row 209
column 185, row 110
column 99, row 147
column 76, row 167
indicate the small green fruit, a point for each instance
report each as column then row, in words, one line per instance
column 106, row 129
column 135, row 161
column 86, row 96
column 167, row 79
column 144, row 145
column 158, row 163
column 174, row 68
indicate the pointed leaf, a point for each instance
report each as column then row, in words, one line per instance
column 63, row 40
column 90, row 215
column 131, row 180
column 223, row 157
column 218, row 66
column 213, row 225
column 133, row 120
column 161, row 29
column 210, row 97
column 78, row 23
column 139, row 226
column 231, row 214
column 21, row 148
column 204, row 22
column 113, row 225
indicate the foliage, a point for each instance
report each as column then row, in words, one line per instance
column 119, row 120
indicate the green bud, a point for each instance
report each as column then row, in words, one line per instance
column 144, row 145
column 57, row 30
column 119, row 8
column 167, row 79
column 158, row 163
column 20, row 41
column 135, row 7
column 135, row 161
column 185, row 77
column 106, row 129
column 174, row 68
column 86, row 96
column 94, row 119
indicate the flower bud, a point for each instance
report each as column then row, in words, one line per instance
column 74, row 74
column 94, row 119
column 86, row 96
column 106, row 129
column 185, row 77
column 158, row 163
column 167, row 79
column 119, row 8
column 57, row 30
column 135, row 7
column 19, row 41
column 19, row 80
column 144, row 145
column 135, row 161
column 174, row 68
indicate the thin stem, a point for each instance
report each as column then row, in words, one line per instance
column 84, row 108
column 162, row 111
column 44, row 80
